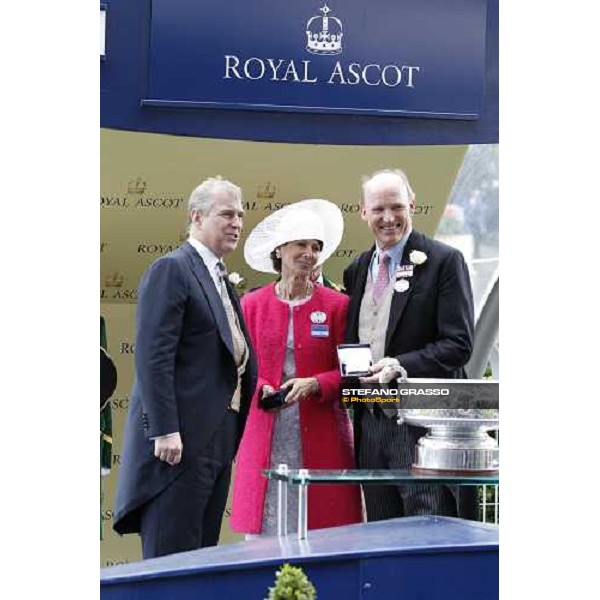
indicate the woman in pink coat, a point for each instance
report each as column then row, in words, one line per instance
column 295, row 327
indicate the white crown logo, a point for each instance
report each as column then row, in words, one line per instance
column 324, row 34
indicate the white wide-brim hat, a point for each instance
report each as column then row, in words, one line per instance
column 304, row 220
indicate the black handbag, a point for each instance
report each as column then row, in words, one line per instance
column 276, row 400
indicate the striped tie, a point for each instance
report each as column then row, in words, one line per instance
column 236, row 332
column 240, row 349
column 383, row 277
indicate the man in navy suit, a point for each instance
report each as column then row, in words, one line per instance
column 195, row 376
column 411, row 300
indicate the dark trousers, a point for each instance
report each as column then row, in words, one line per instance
column 187, row 514
column 386, row 445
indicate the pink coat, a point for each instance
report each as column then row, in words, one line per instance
column 325, row 428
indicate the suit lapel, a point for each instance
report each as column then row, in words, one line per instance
column 400, row 299
column 210, row 291
column 360, row 281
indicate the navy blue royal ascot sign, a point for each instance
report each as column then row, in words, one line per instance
column 421, row 58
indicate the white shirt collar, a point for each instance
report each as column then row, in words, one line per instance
column 395, row 255
column 208, row 257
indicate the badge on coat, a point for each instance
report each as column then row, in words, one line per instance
column 318, row 317
column 317, row 330
column 401, row 285
column 404, row 271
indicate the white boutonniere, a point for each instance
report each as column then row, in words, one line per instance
column 235, row 279
column 417, row 257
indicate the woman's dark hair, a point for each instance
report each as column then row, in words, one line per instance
column 277, row 261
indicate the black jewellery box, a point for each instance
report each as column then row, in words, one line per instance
column 276, row 400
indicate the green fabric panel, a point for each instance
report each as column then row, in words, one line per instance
column 102, row 333
column 106, row 428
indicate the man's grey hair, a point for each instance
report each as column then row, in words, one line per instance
column 404, row 188
column 203, row 197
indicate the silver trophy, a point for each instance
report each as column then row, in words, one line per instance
column 458, row 441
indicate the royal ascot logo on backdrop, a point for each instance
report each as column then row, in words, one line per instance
column 116, row 561
column 126, row 347
column 345, row 253
column 141, row 202
column 381, row 57
column 113, row 288
column 137, row 186
column 354, row 208
column 120, row 403
column 266, row 190
column 136, row 197
column 324, row 35
column 114, row 280
column 156, row 247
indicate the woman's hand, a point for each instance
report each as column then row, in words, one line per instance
column 267, row 390
column 302, row 387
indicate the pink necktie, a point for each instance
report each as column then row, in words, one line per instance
column 383, row 277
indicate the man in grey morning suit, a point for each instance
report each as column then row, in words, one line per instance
column 195, row 376
column 411, row 300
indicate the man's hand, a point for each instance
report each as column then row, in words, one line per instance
column 302, row 387
column 384, row 371
column 169, row 449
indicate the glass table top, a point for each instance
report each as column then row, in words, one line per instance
column 376, row 477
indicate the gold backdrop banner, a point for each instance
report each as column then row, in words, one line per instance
column 146, row 180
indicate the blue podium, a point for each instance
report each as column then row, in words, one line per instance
column 416, row 558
